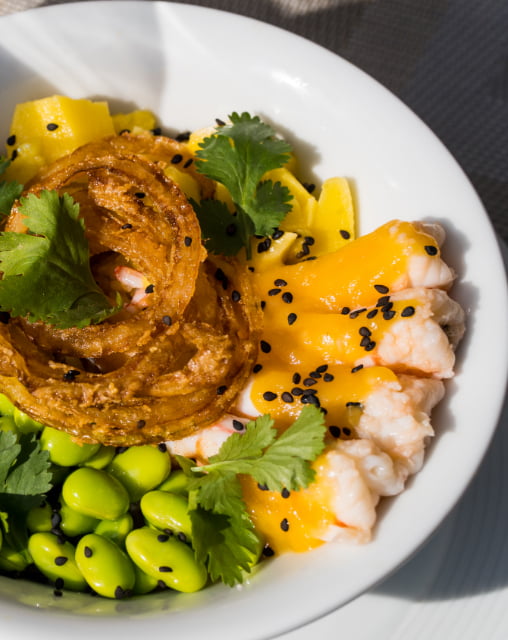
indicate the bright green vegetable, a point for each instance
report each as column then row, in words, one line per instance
column 73, row 523
column 101, row 458
column 167, row 511
column 165, row 558
column 39, row 518
column 176, row 482
column 116, row 530
column 24, row 423
column 144, row 583
column 63, row 450
column 6, row 406
column 140, row 469
column 13, row 559
column 7, row 424
column 105, row 567
column 95, row 493
column 55, row 559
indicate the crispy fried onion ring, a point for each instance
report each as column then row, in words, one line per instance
column 168, row 368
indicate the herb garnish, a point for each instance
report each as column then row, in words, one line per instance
column 46, row 272
column 9, row 191
column 222, row 532
column 238, row 155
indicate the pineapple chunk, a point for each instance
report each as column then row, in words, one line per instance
column 301, row 216
column 47, row 129
column 185, row 181
column 135, row 121
column 334, row 222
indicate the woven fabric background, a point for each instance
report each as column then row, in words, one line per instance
column 446, row 59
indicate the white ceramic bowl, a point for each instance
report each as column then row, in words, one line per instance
column 191, row 65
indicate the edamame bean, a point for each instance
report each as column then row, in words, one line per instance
column 39, row 518
column 167, row 511
column 95, row 493
column 56, row 559
column 166, row 558
column 106, row 568
column 101, row 459
column 63, row 450
column 7, row 424
column 24, row 423
column 6, row 406
column 73, row 523
column 176, row 482
column 140, row 469
column 144, row 583
column 115, row 530
column 12, row 559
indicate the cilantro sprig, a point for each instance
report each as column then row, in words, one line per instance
column 46, row 272
column 25, row 478
column 224, row 537
column 238, row 155
column 9, row 190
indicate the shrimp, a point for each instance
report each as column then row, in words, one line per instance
column 134, row 282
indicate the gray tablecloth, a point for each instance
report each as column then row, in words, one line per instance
column 446, row 59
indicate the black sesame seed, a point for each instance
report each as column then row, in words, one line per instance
column 365, row 341
column 292, row 318
column 309, row 186
column 262, row 487
column 257, row 368
column 353, row 404
column 268, row 552
column 310, row 399
column 183, row 137
column 127, row 225
column 140, row 424
column 56, row 519
column 407, row 312
column 11, row 140
column 237, row 425
column 140, row 194
column 120, row 593
column 59, row 583
column 165, row 569
column 287, row 297
column 266, row 347
column 315, row 374
column 284, row 525
column 120, row 450
column 308, row 382
column 87, row 552
column 372, row 314
column 357, row 368
column 262, row 304
column 388, row 315
column 382, row 301
column 279, row 282
column 221, row 390
column 309, row 240
column 163, row 537
column 156, row 131
column 381, row 288
column 274, row 292
column 188, row 163
column 345, row 234
column 51, row 126
column 296, row 378
column 354, row 314
column 177, row 158
column 346, row 431
column 370, row 346
column 269, row 396
column 322, row 368
column 162, row 447
column 334, row 431
column 285, row 493
column 219, row 122
column 328, row 377
column 14, row 154
column 235, row 296
column 264, row 245
column 181, row 536
column 60, row 560
column 277, row 234
column 150, row 288
column 387, row 306
column 167, row 320
column 345, row 311
column 364, row 331
column 71, row 375
column 431, row 249
column 287, row 397
column 187, row 241
column 296, row 391
column 304, row 251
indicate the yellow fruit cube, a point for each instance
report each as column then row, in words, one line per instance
column 47, row 129
column 334, row 221
column 139, row 120
column 303, row 204
column 275, row 255
column 185, row 181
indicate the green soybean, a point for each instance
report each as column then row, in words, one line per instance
column 144, row 583
column 167, row 559
column 101, row 458
column 116, row 530
column 24, row 423
column 105, row 567
column 140, row 469
column 167, row 511
column 176, row 482
column 39, row 518
column 7, row 424
column 63, row 450
column 56, row 559
column 73, row 523
column 6, row 406
column 13, row 559
column 95, row 493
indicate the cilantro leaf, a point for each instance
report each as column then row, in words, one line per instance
column 223, row 534
column 9, row 191
column 46, row 272
column 238, row 155
column 219, row 229
column 24, row 478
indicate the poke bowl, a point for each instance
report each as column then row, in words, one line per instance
column 191, row 66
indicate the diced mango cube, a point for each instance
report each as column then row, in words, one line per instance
column 334, row 221
column 185, row 181
column 139, row 120
column 275, row 255
column 303, row 204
